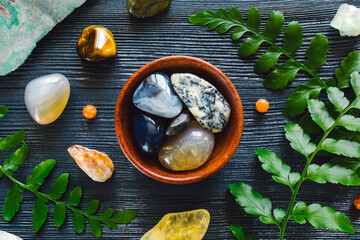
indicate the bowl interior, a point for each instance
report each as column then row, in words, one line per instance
column 226, row 142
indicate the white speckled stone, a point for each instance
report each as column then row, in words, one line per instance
column 204, row 101
column 156, row 96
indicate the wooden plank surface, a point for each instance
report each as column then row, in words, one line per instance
column 99, row 84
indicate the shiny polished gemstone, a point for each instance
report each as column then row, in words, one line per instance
column 96, row 43
column 204, row 101
column 190, row 225
column 187, row 150
column 179, row 124
column 146, row 8
column 46, row 97
column 156, row 96
column 97, row 165
column 8, row 236
column 149, row 132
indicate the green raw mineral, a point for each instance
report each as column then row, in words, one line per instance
column 147, row 8
column 25, row 22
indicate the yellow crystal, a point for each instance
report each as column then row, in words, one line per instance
column 190, row 225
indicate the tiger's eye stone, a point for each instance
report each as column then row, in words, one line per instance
column 190, row 225
column 96, row 43
column 146, row 8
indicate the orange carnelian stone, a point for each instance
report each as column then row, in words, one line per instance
column 96, row 43
column 89, row 111
column 357, row 203
column 262, row 105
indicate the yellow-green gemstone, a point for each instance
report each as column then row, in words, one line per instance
column 190, row 225
column 147, row 8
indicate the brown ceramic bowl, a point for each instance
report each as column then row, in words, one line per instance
column 226, row 142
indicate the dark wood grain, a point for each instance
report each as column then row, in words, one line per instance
column 99, row 84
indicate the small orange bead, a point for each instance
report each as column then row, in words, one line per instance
column 262, row 105
column 357, row 203
column 89, row 111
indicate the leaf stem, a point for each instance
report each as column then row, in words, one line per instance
column 45, row 196
column 308, row 162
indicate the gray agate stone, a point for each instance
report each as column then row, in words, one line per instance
column 156, row 96
column 204, row 101
column 179, row 124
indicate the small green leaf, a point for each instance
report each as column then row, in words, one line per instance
column 342, row 147
column 319, row 114
column 110, row 224
column 59, row 186
column 274, row 25
column 299, row 207
column 349, row 65
column 267, row 61
column 250, row 46
column 297, row 101
column 353, row 165
column 225, row 26
column 349, row 122
column 337, row 98
column 279, row 214
column 299, row 140
column 207, row 17
column 238, row 33
column 3, row 111
column 293, row 38
column 1, row 174
column 236, row 15
column 12, row 141
column 75, row 196
column 333, row 174
column 254, row 19
column 59, row 215
column 239, row 233
column 324, row 217
column 108, row 213
column 16, row 159
column 40, row 172
column 252, row 202
column 124, row 216
column 12, row 203
column 274, row 165
column 78, row 222
column 355, row 82
column 316, row 52
column 95, row 227
column 281, row 76
column 39, row 213
column 92, row 207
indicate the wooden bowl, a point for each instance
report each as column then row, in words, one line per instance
column 226, row 142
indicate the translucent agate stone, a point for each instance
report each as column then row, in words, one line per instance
column 187, row 150
column 203, row 100
column 190, row 225
column 8, row 236
column 46, row 97
column 96, row 43
column 146, row 8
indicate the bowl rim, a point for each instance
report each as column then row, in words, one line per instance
column 167, row 179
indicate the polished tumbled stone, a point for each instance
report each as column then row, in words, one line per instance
column 96, row 43
column 156, row 96
column 179, row 124
column 149, row 132
column 146, row 8
column 204, row 101
column 46, row 97
column 190, row 225
column 187, row 150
